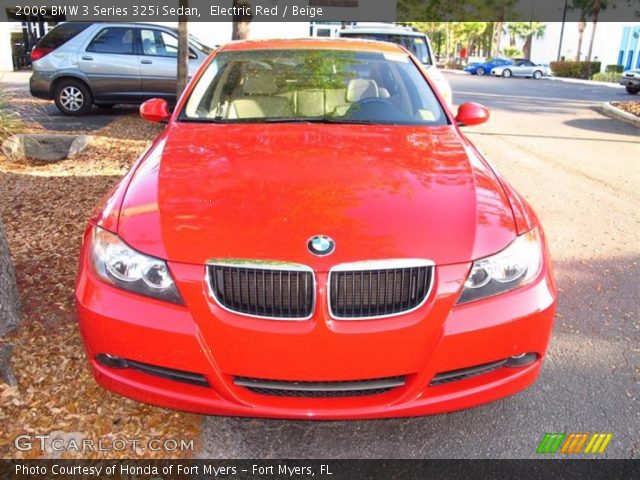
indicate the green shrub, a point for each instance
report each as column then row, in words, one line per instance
column 575, row 69
column 612, row 77
column 614, row 68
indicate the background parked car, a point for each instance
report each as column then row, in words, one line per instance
column 486, row 67
column 416, row 42
column 631, row 80
column 521, row 68
column 80, row 64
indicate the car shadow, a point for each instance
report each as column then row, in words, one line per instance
column 606, row 124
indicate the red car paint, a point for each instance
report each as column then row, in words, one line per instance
column 255, row 191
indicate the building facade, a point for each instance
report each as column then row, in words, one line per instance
column 615, row 43
column 628, row 55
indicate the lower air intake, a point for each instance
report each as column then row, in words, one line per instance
column 320, row 389
column 454, row 375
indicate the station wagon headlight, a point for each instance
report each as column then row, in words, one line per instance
column 511, row 268
column 123, row 267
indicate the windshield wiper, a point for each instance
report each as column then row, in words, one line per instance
column 316, row 120
column 200, row 120
column 235, row 121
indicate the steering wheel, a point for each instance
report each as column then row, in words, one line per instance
column 372, row 100
column 368, row 102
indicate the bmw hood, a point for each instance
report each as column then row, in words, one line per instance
column 210, row 191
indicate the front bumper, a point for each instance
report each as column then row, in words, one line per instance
column 630, row 82
column 144, row 330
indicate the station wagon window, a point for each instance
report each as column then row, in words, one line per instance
column 61, row 34
column 328, row 86
column 113, row 40
column 158, row 44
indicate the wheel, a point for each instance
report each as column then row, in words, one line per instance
column 632, row 90
column 73, row 97
column 507, row 73
column 537, row 74
column 480, row 71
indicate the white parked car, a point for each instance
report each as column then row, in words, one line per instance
column 631, row 80
column 521, row 68
column 416, row 42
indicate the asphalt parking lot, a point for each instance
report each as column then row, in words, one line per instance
column 581, row 171
column 49, row 117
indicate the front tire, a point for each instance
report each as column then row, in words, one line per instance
column 480, row 71
column 632, row 90
column 506, row 74
column 73, row 97
column 537, row 74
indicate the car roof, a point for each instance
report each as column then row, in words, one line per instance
column 392, row 30
column 315, row 44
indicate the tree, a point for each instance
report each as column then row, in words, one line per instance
column 596, row 7
column 9, row 307
column 511, row 52
column 469, row 34
column 500, row 11
column 241, row 20
column 527, row 31
column 183, row 49
column 584, row 7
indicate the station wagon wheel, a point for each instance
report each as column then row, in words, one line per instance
column 506, row 73
column 72, row 97
column 632, row 90
column 537, row 74
column 480, row 71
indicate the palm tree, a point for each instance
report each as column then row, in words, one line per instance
column 584, row 6
column 527, row 31
column 596, row 7
column 500, row 11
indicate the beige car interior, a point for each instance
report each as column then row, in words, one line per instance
column 258, row 96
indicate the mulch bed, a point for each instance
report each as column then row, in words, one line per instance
column 45, row 210
column 632, row 107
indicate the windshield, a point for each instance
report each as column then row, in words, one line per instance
column 414, row 43
column 313, row 85
column 199, row 45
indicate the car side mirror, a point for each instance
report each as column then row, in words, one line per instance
column 471, row 114
column 155, row 110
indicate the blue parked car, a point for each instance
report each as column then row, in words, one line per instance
column 486, row 67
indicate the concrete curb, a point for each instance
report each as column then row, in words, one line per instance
column 579, row 81
column 619, row 114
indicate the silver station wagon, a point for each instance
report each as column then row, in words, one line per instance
column 79, row 64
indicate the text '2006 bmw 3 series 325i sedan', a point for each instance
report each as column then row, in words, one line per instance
column 312, row 236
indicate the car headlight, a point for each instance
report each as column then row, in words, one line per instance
column 123, row 267
column 511, row 268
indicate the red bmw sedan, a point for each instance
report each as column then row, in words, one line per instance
column 313, row 237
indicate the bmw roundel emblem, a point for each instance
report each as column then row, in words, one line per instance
column 321, row 245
